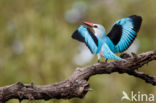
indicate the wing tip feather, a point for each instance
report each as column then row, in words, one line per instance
column 76, row 35
column 137, row 20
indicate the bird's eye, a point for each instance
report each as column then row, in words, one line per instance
column 95, row 26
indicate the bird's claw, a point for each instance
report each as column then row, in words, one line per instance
column 98, row 61
column 106, row 60
column 103, row 62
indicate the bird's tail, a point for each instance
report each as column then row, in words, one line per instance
column 108, row 54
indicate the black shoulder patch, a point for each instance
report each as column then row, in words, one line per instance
column 93, row 36
column 89, row 48
column 76, row 35
column 137, row 20
column 115, row 34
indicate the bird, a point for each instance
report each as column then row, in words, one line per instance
column 117, row 40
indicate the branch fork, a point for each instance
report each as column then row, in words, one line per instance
column 77, row 84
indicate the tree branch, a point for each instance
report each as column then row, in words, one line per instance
column 77, row 84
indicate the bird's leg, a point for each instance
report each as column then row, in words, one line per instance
column 99, row 56
column 98, row 61
column 106, row 60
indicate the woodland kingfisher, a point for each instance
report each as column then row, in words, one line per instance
column 120, row 37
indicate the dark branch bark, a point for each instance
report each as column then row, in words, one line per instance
column 77, row 84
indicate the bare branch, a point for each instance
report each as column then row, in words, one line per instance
column 77, row 84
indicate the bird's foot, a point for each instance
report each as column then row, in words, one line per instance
column 103, row 62
column 98, row 61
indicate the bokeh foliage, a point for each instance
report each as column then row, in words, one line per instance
column 36, row 44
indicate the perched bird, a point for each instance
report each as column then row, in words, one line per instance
column 120, row 37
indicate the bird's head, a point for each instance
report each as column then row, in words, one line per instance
column 98, row 29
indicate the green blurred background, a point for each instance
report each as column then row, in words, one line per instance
column 36, row 44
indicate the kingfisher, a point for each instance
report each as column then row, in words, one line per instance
column 118, row 39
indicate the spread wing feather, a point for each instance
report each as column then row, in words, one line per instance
column 124, row 31
column 86, row 36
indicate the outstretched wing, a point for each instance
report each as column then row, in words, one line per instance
column 84, row 34
column 124, row 31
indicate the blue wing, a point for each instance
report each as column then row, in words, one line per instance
column 84, row 34
column 124, row 32
column 108, row 54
